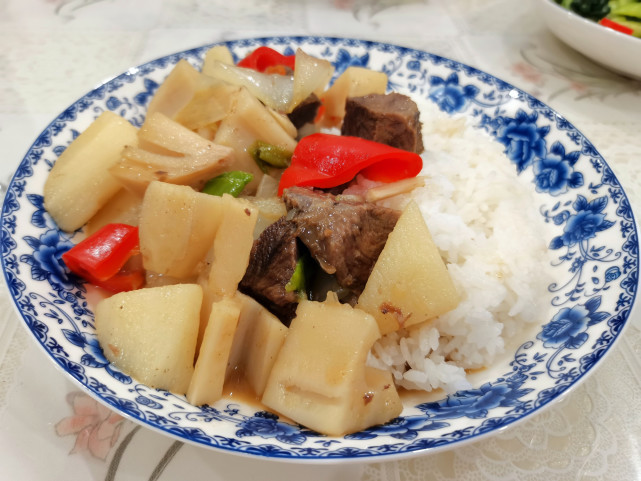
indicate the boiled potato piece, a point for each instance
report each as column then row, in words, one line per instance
column 353, row 82
column 409, row 283
column 226, row 261
column 326, row 346
column 320, row 378
column 280, row 92
column 170, row 152
column 156, row 280
column 262, row 345
column 393, row 189
column 272, row 90
column 268, row 187
column 177, row 89
column 249, row 311
column 150, row 333
column 229, row 256
column 79, row 184
column 381, row 403
column 123, row 208
column 177, row 228
column 248, row 121
column 270, row 209
column 311, row 75
column 218, row 53
column 138, row 167
column 206, row 385
column 207, row 106
column 283, row 120
column 161, row 134
column 259, row 338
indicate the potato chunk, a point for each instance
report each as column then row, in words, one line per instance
column 409, row 283
column 177, row 228
column 311, row 75
column 229, row 256
column 151, row 333
column 206, row 385
column 207, row 107
column 177, row 89
column 218, row 53
column 169, row 152
column 79, row 183
column 123, row 208
column 320, row 378
column 259, row 338
column 248, row 121
column 226, row 262
column 270, row 209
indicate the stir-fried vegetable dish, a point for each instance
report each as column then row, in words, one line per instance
column 227, row 245
column 621, row 15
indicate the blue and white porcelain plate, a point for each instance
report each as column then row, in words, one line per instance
column 594, row 244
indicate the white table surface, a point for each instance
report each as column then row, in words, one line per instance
column 53, row 51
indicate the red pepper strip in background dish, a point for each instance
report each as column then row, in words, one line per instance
column 100, row 257
column 326, row 160
column 265, row 58
column 606, row 22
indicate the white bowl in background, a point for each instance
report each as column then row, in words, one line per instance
column 614, row 50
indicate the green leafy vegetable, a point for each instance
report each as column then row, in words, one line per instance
column 592, row 9
column 632, row 11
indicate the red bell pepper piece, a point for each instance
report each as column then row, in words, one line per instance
column 326, row 160
column 606, row 22
column 123, row 281
column 100, row 257
column 267, row 59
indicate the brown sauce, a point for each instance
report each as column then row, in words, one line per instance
column 238, row 390
column 472, row 372
column 411, row 397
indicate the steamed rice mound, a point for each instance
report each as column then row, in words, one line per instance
column 483, row 218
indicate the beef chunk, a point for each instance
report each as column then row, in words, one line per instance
column 271, row 264
column 306, row 111
column 391, row 119
column 345, row 236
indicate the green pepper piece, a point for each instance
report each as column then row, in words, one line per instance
column 268, row 155
column 232, row 183
column 297, row 282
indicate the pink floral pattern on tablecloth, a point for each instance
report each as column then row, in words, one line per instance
column 95, row 426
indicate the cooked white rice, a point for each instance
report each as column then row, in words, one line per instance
column 484, row 220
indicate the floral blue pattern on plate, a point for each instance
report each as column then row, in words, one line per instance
column 595, row 248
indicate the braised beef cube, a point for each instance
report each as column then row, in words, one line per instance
column 306, row 111
column 391, row 119
column 271, row 264
column 344, row 235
